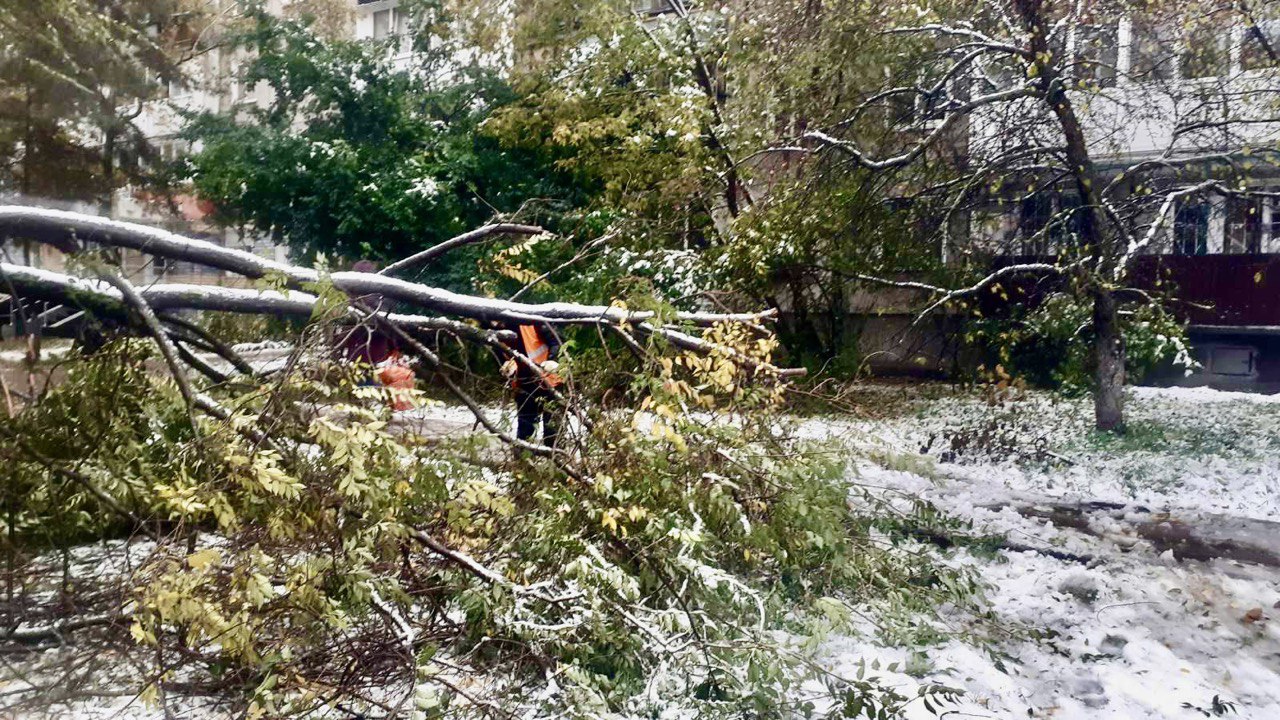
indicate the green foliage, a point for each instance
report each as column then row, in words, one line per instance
column 655, row 582
column 236, row 328
column 72, row 77
column 108, row 397
column 1050, row 344
column 806, row 249
column 672, row 118
column 362, row 157
column 618, row 102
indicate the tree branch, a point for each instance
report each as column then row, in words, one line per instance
column 468, row 238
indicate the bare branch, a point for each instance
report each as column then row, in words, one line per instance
column 468, row 238
column 988, row 281
column 167, row 349
column 54, row 226
column 851, row 150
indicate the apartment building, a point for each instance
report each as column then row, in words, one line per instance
column 210, row 84
column 1198, row 96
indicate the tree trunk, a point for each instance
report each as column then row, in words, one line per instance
column 108, row 169
column 1096, row 243
column 1109, row 359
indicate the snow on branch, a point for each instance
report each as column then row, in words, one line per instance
column 468, row 238
column 1136, row 246
column 58, row 287
column 855, row 153
column 974, row 36
column 55, row 227
column 988, row 281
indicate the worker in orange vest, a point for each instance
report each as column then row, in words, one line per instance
column 366, row 345
column 534, row 401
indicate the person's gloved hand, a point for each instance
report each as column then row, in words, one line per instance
column 509, row 368
column 550, row 366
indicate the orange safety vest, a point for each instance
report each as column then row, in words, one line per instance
column 537, row 352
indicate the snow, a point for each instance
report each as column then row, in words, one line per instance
column 1156, row 637
column 1189, row 449
column 1201, row 395
column 49, row 350
column 424, row 187
column 1122, row 628
column 1090, row 620
column 1131, row 631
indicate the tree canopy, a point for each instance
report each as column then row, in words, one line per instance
column 360, row 156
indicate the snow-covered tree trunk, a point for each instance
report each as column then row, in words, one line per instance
column 1096, row 242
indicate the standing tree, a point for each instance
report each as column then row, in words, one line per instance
column 361, row 155
column 1047, row 110
column 74, row 79
column 665, row 105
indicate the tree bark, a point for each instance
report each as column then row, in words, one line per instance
column 1109, row 361
column 1096, row 242
column 68, row 230
column 108, row 168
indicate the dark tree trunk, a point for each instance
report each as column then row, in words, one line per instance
column 108, row 168
column 28, row 142
column 1109, row 359
column 1097, row 246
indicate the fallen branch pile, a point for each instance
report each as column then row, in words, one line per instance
column 302, row 556
column 465, row 317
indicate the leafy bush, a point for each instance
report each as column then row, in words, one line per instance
column 1049, row 344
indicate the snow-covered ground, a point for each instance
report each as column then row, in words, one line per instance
column 1186, row 449
column 1120, row 628
column 1094, row 615
column 1103, row 622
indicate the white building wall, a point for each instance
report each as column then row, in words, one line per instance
column 1131, row 121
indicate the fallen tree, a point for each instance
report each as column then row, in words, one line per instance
column 303, row 562
column 75, row 232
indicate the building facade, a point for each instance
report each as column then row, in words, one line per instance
column 1185, row 100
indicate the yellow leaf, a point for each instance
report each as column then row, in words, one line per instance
column 141, row 635
column 203, row 558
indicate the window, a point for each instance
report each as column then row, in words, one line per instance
column 1191, row 229
column 382, row 24
column 907, row 109
column 1273, row 226
column 1097, row 54
column 1207, row 52
column 170, row 150
column 1244, row 225
column 1033, row 216
column 1230, row 360
column 390, row 23
column 1047, row 222
column 1151, row 50
column 178, row 88
column 1261, row 45
column 651, row 7
column 244, row 90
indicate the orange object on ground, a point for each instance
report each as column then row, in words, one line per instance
column 398, row 378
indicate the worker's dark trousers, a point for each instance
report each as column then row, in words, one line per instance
column 534, row 403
